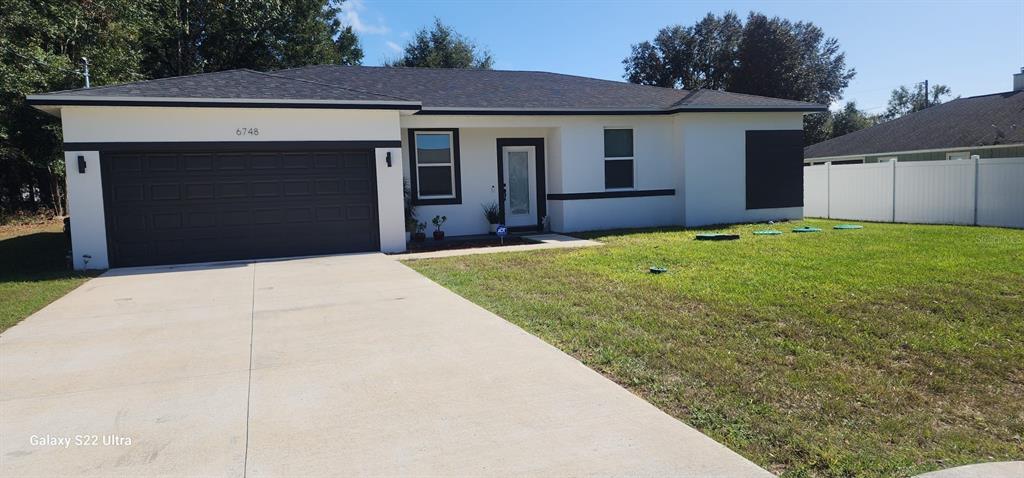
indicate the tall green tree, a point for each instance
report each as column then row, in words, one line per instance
column 41, row 46
column 700, row 56
column 443, row 47
column 194, row 36
column 850, row 119
column 767, row 56
column 904, row 100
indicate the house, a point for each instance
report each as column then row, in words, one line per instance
column 243, row 164
column 987, row 126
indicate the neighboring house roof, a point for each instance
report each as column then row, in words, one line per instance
column 434, row 90
column 986, row 120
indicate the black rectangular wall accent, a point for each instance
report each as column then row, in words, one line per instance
column 775, row 175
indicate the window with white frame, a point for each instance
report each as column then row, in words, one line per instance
column 618, row 158
column 435, row 166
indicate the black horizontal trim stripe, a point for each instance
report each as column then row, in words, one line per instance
column 199, row 103
column 472, row 112
column 233, row 145
column 611, row 194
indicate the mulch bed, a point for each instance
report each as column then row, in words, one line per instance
column 455, row 243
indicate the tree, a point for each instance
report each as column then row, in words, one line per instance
column 765, row 56
column 347, row 45
column 41, row 46
column 194, row 36
column 701, row 56
column 850, row 119
column 903, row 100
column 443, row 47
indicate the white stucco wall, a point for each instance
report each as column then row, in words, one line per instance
column 144, row 124
column 714, row 165
column 479, row 171
column 390, row 204
column 84, row 124
column 85, row 206
column 574, row 156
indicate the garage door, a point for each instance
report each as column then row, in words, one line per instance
column 197, row 206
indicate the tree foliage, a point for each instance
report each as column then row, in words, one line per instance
column 904, row 100
column 767, row 56
column 194, row 36
column 42, row 43
column 850, row 119
column 443, row 47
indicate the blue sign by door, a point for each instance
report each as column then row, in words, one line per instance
column 501, row 231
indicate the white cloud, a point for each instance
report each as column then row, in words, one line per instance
column 349, row 16
column 394, row 46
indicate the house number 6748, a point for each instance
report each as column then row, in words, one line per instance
column 247, row 132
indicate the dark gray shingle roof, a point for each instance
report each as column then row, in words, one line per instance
column 433, row 88
column 976, row 121
column 503, row 89
column 231, row 84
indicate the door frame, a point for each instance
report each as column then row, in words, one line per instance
column 542, row 206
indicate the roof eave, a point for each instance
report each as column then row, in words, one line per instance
column 42, row 101
column 615, row 111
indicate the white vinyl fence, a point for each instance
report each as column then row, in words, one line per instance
column 985, row 192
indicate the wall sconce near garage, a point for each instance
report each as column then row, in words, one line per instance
column 81, row 164
column 387, row 158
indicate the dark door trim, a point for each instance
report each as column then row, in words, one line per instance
column 542, row 205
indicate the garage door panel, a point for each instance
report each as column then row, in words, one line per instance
column 200, row 206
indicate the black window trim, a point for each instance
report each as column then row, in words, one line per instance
column 631, row 159
column 413, row 172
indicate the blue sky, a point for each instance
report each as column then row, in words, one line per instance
column 974, row 47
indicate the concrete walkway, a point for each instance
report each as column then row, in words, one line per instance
column 329, row 366
column 544, row 241
column 998, row 469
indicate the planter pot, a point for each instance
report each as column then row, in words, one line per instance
column 419, row 237
column 438, row 235
column 494, row 228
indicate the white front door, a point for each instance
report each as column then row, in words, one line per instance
column 520, row 169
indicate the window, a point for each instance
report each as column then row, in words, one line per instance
column 435, row 166
column 959, row 155
column 618, row 158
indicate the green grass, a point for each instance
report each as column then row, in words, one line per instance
column 887, row 351
column 32, row 270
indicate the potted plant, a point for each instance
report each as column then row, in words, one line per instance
column 438, row 221
column 493, row 215
column 411, row 224
column 419, row 235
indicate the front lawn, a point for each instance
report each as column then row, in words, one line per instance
column 32, row 270
column 891, row 350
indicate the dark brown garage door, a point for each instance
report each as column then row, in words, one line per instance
column 197, row 206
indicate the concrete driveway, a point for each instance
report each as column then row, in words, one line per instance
column 331, row 366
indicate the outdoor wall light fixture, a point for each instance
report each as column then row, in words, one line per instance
column 387, row 158
column 81, row 164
